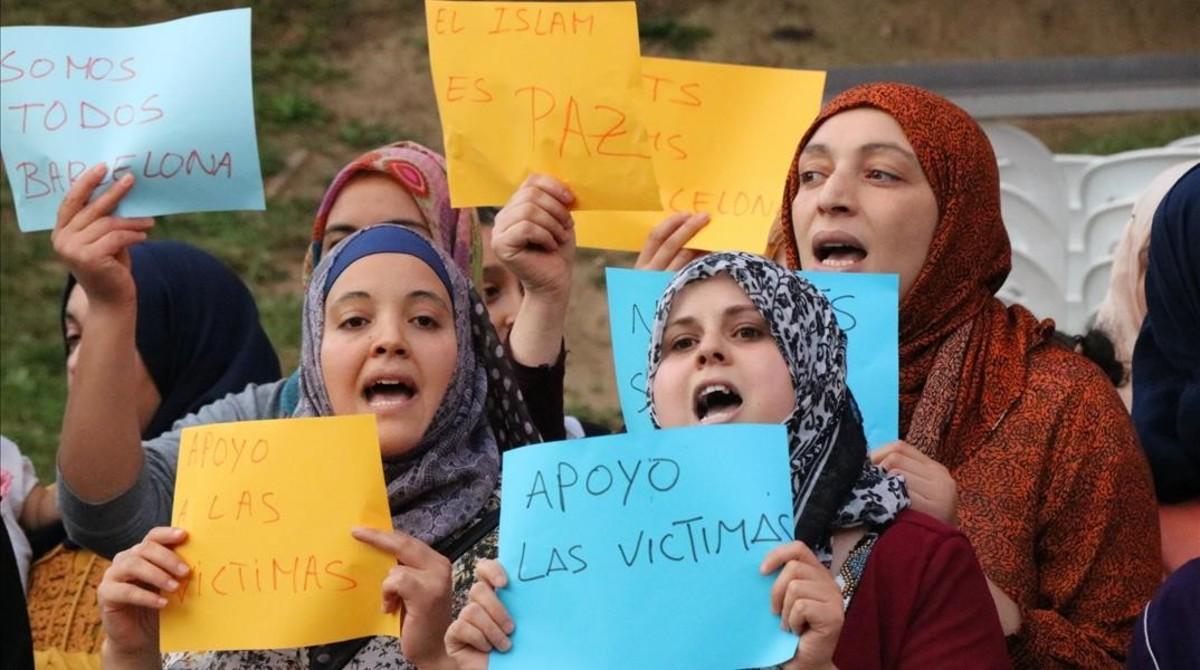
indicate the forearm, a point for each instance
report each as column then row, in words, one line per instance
column 142, row 659
column 41, row 508
column 100, row 454
column 537, row 333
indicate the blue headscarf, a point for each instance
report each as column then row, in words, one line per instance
column 197, row 330
column 1166, row 359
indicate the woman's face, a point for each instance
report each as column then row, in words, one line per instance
column 864, row 204
column 146, row 396
column 719, row 362
column 502, row 292
column 367, row 199
column 389, row 347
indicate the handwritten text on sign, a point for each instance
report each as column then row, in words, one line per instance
column 642, row 550
column 867, row 309
column 268, row 506
column 715, row 152
column 541, row 87
column 169, row 103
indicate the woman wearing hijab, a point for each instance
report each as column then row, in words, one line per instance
column 112, row 488
column 1123, row 309
column 198, row 338
column 1166, row 367
column 441, row 450
column 866, row 583
column 1024, row 445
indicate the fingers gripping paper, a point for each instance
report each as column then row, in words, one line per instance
column 721, row 137
column 541, row 87
column 268, row 506
column 169, row 103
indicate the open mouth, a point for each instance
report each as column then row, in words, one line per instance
column 716, row 403
column 389, row 391
column 838, row 250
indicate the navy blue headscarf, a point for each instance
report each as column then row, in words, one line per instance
column 1166, row 359
column 197, row 330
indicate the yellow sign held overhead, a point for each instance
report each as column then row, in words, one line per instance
column 549, row 87
column 722, row 138
column 268, row 506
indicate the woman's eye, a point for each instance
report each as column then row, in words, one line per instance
column 353, row 322
column 810, row 176
column 490, row 293
column 72, row 342
column 881, row 175
column 682, row 343
column 749, row 332
column 425, row 321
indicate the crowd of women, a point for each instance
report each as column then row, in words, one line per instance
column 1017, row 524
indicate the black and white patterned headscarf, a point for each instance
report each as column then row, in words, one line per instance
column 443, row 483
column 834, row 485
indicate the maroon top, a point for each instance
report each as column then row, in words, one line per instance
column 922, row 602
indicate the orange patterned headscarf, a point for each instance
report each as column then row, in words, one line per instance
column 951, row 308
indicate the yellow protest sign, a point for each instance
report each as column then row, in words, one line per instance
column 722, row 139
column 268, row 506
column 549, row 87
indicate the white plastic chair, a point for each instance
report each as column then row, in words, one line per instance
column 1123, row 176
column 1033, row 234
column 1029, row 285
column 1186, row 142
column 1027, row 165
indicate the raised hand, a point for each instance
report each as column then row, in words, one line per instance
column 95, row 245
column 534, row 236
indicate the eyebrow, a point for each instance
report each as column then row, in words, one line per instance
column 870, row 148
column 734, row 310
column 419, row 294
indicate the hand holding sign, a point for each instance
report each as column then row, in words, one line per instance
column 534, row 236
column 484, row 624
column 94, row 244
column 419, row 587
column 130, row 593
column 808, row 600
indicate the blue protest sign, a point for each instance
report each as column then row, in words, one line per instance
column 170, row 103
column 642, row 550
column 867, row 309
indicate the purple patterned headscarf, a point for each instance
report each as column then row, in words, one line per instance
column 444, row 482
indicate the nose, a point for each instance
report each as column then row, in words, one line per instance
column 711, row 352
column 72, row 359
column 390, row 339
column 836, row 195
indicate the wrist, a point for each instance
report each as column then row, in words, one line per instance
column 123, row 658
column 441, row 661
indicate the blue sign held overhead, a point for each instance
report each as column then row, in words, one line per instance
column 642, row 550
column 170, row 103
column 867, row 308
